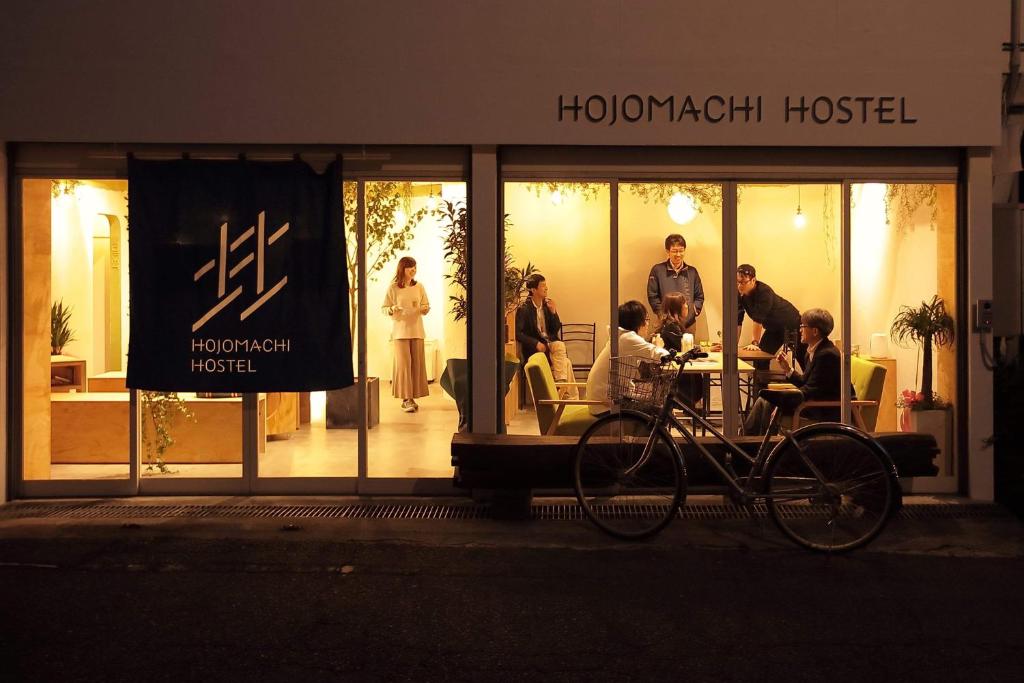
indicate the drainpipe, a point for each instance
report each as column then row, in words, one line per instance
column 1013, row 74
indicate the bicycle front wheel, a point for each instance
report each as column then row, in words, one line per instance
column 833, row 493
column 629, row 478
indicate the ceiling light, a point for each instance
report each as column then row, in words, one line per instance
column 681, row 208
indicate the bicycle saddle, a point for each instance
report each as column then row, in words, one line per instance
column 786, row 399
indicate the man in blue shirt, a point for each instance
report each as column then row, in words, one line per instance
column 675, row 275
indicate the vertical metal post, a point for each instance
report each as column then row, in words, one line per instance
column 730, row 341
column 486, row 343
column 845, row 298
column 135, row 441
column 361, row 298
column 250, row 440
column 613, row 256
column 6, row 453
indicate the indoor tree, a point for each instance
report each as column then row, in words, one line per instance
column 924, row 325
column 385, row 237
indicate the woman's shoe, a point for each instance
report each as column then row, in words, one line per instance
column 415, row 405
column 408, row 406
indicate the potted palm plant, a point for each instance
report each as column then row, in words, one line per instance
column 61, row 333
column 927, row 325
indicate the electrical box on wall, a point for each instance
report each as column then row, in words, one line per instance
column 1006, row 310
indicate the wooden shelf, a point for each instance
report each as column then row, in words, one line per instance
column 67, row 373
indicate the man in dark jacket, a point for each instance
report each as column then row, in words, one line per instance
column 774, row 319
column 675, row 275
column 821, row 376
column 537, row 322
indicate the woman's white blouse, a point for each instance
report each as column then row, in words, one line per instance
column 406, row 307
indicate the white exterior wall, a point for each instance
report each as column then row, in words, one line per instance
column 491, row 73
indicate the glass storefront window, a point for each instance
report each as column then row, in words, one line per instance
column 558, row 230
column 903, row 256
column 75, row 329
column 789, row 273
column 670, row 260
column 317, row 434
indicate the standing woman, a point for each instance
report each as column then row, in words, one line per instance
column 406, row 303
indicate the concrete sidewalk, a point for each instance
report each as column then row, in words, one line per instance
column 927, row 525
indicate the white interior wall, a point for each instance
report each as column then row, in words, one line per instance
column 801, row 264
column 76, row 218
column 890, row 268
column 568, row 244
column 643, row 227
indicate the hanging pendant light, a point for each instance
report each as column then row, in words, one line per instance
column 681, row 208
column 799, row 220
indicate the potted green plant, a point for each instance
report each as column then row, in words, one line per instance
column 159, row 411
column 61, row 333
column 924, row 411
column 454, row 219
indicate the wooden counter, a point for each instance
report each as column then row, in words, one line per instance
column 93, row 428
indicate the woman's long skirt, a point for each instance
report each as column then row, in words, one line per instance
column 409, row 377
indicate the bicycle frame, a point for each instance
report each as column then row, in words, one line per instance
column 746, row 493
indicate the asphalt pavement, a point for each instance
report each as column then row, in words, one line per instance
column 162, row 599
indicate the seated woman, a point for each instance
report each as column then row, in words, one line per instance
column 672, row 327
column 820, row 379
column 633, row 325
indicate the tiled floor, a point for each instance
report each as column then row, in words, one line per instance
column 403, row 445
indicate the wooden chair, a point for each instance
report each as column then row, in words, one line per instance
column 868, row 379
column 555, row 416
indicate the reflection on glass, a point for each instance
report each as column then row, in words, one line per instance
column 75, row 323
column 557, row 289
column 903, row 256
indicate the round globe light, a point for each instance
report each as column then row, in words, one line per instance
column 799, row 220
column 556, row 197
column 681, row 208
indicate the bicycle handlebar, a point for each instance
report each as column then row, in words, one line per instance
column 683, row 358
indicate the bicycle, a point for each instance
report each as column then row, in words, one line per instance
column 827, row 486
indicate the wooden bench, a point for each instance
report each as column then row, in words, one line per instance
column 512, row 466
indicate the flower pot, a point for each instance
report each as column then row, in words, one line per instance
column 938, row 423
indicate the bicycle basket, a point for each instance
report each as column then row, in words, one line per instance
column 639, row 383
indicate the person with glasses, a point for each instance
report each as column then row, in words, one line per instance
column 820, row 379
column 634, row 323
column 774, row 319
column 675, row 275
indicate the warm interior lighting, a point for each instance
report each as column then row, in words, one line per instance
column 318, row 407
column 556, row 197
column 799, row 220
column 400, row 217
column 681, row 208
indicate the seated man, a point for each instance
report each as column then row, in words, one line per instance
column 820, row 379
column 633, row 325
column 538, row 329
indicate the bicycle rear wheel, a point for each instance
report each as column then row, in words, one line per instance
column 833, row 494
column 620, row 458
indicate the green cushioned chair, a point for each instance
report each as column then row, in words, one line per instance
column 868, row 379
column 555, row 416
